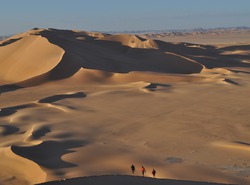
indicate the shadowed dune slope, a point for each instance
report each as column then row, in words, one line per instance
column 119, row 53
column 124, row 180
column 39, row 153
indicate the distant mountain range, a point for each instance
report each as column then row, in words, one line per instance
column 173, row 32
column 204, row 30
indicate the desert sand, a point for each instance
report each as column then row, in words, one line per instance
column 80, row 107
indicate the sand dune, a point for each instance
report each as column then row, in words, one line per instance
column 131, row 41
column 18, row 170
column 27, row 58
column 118, row 53
column 78, row 105
column 69, row 51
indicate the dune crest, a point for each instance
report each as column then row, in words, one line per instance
column 27, row 58
column 131, row 41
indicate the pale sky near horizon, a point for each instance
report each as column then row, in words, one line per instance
column 119, row 15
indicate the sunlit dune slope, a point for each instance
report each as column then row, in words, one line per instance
column 28, row 57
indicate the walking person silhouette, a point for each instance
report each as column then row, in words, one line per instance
column 143, row 170
column 133, row 169
column 153, row 172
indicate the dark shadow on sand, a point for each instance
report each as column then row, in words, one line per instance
column 231, row 81
column 9, row 42
column 49, row 153
column 55, row 98
column 154, row 86
column 37, row 134
column 209, row 56
column 9, row 88
column 7, row 111
column 8, row 130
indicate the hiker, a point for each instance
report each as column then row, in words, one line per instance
column 153, row 172
column 143, row 170
column 133, row 169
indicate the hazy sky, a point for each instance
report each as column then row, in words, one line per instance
column 119, row 15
